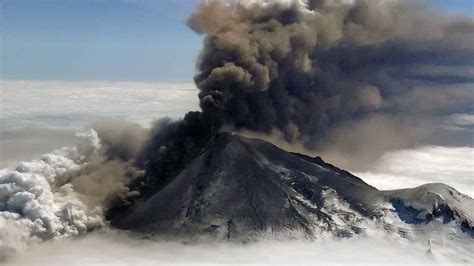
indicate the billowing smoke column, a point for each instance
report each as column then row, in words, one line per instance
column 303, row 70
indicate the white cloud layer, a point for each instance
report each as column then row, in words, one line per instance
column 453, row 166
column 119, row 248
column 39, row 116
column 64, row 104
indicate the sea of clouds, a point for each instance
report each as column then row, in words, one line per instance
column 40, row 152
column 39, row 116
column 118, row 248
column 453, row 166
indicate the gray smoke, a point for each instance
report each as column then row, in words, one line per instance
column 306, row 71
column 333, row 77
column 120, row 139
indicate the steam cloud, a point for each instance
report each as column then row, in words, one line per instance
column 64, row 193
column 34, row 203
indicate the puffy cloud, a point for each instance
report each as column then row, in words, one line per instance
column 61, row 194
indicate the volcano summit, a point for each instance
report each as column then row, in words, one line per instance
column 239, row 188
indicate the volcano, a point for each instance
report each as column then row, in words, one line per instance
column 239, row 188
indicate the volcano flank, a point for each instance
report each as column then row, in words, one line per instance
column 239, row 188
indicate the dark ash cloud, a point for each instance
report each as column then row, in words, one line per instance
column 336, row 77
column 305, row 71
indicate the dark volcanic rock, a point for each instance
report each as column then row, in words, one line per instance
column 240, row 188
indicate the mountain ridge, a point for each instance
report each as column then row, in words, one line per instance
column 241, row 188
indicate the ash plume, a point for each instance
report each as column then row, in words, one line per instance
column 318, row 76
column 306, row 70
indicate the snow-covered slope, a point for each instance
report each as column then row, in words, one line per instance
column 434, row 201
column 241, row 189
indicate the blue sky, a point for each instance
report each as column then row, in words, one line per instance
column 136, row 40
column 98, row 40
